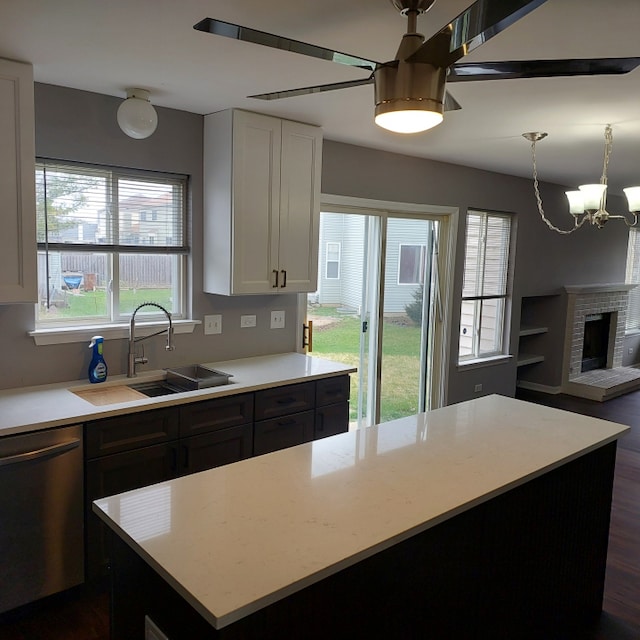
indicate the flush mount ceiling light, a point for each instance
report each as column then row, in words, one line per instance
column 136, row 115
column 589, row 203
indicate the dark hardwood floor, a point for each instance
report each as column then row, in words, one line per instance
column 83, row 613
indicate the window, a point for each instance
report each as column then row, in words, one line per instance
column 633, row 277
column 99, row 253
column 485, row 289
column 332, row 271
column 411, row 258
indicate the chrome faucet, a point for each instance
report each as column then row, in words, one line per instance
column 133, row 359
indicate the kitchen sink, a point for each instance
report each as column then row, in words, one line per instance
column 196, row 376
column 154, row 388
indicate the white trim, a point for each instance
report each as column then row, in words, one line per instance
column 66, row 335
column 542, row 388
column 448, row 218
column 477, row 363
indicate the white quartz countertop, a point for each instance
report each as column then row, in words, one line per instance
column 41, row 407
column 237, row 538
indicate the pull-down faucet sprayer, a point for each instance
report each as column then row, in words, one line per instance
column 133, row 360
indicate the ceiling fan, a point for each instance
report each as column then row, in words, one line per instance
column 410, row 90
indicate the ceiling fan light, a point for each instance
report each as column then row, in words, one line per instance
column 593, row 194
column 633, row 198
column 407, row 120
column 136, row 115
column 576, row 202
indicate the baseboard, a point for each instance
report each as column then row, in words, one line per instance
column 542, row 388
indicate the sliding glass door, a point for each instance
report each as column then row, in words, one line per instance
column 374, row 308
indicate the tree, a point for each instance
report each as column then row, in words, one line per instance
column 65, row 195
column 414, row 309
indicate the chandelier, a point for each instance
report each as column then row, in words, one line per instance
column 589, row 202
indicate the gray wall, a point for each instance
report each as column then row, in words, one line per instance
column 545, row 261
column 81, row 126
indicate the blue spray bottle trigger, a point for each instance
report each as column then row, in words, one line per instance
column 97, row 367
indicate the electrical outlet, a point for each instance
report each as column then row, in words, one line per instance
column 212, row 324
column 630, row 350
column 151, row 630
column 247, row 321
column 277, row 319
column 478, row 388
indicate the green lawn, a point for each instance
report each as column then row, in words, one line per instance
column 340, row 341
column 88, row 304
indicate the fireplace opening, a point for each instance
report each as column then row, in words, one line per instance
column 596, row 341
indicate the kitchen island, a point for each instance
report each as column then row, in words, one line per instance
column 484, row 519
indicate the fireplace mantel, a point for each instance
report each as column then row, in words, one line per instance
column 578, row 289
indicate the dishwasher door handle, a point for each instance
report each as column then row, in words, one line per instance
column 52, row 450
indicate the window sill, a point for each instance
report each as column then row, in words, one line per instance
column 484, row 362
column 83, row 333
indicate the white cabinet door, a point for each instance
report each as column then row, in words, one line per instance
column 256, row 202
column 299, row 207
column 18, row 278
column 262, row 202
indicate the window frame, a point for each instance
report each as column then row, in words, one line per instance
column 327, row 261
column 423, row 259
column 115, row 317
column 632, row 320
column 501, row 326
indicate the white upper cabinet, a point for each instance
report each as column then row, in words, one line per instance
column 262, row 204
column 18, row 278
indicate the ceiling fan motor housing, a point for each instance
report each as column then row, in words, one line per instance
column 408, row 86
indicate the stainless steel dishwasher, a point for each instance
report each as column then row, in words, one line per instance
column 41, row 515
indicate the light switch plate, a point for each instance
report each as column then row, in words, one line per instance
column 247, row 321
column 277, row 319
column 213, row 324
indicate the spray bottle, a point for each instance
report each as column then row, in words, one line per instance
column 98, row 367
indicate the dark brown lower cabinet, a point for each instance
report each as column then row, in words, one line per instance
column 331, row 420
column 113, row 474
column 199, row 453
column 283, row 432
column 139, row 449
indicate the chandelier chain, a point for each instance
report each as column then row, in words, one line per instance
column 536, row 189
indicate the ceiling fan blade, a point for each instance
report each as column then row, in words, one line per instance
column 471, row 71
column 238, row 32
column 450, row 103
column 474, row 26
column 319, row 88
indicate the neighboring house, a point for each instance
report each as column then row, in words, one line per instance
column 341, row 261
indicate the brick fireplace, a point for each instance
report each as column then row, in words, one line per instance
column 590, row 375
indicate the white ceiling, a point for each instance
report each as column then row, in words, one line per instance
column 107, row 45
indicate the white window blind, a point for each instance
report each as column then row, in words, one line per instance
column 108, row 239
column 485, row 285
column 633, row 277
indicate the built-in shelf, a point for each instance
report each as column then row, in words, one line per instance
column 528, row 358
column 532, row 331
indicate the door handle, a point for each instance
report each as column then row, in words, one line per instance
column 307, row 336
column 52, row 450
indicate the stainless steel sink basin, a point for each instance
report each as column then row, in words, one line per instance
column 196, row 376
column 154, row 388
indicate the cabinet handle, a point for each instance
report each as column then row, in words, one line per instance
column 321, row 422
column 174, row 459
column 287, row 423
column 284, row 278
column 288, row 400
column 275, row 286
column 51, row 450
column 186, row 457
